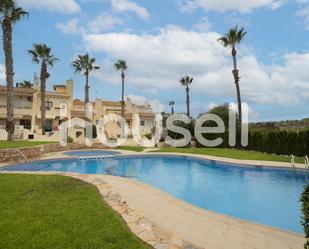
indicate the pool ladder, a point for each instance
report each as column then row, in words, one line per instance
column 293, row 162
column 307, row 162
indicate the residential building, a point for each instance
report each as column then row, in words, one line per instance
column 27, row 112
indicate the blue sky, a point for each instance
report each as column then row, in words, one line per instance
column 163, row 40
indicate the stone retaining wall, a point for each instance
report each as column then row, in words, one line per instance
column 13, row 154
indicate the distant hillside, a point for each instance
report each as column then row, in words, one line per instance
column 281, row 125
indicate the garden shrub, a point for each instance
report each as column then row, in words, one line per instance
column 305, row 214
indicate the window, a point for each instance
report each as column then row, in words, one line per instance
column 26, row 123
column 48, row 105
column 142, row 122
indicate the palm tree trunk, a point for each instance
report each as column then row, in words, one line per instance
column 87, row 88
column 43, row 88
column 122, row 95
column 172, row 110
column 122, row 102
column 7, row 47
column 236, row 80
column 188, row 101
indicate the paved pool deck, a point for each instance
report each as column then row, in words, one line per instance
column 164, row 221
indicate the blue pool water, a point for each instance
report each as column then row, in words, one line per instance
column 263, row 195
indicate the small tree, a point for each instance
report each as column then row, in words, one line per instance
column 305, row 214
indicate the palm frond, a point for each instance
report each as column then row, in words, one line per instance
column 18, row 14
column 121, row 65
column 42, row 52
column 186, row 80
column 84, row 63
column 233, row 37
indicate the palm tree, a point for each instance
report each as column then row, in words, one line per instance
column 231, row 39
column 9, row 14
column 41, row 53
column 171, row 103
column 121, row 65
column 25, row 84
column 186, row 82
column 85, row 64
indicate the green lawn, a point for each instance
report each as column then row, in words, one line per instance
column 57, row 212
column 232, row 153
column 19, row 144
column 133, row 148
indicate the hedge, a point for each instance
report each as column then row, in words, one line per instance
column 305, row 214
column 273, row 142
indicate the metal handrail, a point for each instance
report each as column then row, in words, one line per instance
column 307, row 162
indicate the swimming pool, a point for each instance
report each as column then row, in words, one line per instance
column 263, row 195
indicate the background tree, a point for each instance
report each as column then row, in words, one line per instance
column 25, row 84
column 121, row 65
column 41, row 53
column 171, row 103
column 85, row 64
column 231, row 39
column 9, row 14
column 186, row 82
column 222, row 111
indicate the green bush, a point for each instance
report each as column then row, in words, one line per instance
column 305, row 214
column 148, row 136
column 70, row 140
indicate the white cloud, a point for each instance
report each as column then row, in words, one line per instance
column 63, row 6
column 71, row 27
column 227, row 5
column 2, row 73
column 102, row 22
column 156, row 105
column 128, row 6
column 158, row 61
column 203, row 25
column 304, row 13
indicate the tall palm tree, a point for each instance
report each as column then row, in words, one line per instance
column 171, row 103
column 231, row 39
column 41, row 53
column 186, row 82
column 121, row 65
column 85, row 64
column 9, row 14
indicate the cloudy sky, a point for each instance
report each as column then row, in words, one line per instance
column 163, row 40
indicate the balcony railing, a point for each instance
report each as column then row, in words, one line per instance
column 17, row 127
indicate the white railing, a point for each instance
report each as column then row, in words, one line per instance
column 17, row 127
